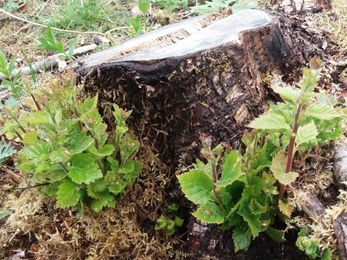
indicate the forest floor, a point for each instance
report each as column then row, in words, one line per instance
column 32, row 227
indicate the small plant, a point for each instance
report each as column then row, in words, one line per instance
column 138, row 24
column 311, row 247
column 12, row 77
column 240, row 191
column 169, row 224
column 50, row 44
column 67, row 148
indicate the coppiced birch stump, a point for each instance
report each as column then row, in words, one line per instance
column 199, row 77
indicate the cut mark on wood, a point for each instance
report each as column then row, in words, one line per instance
column 190, row 36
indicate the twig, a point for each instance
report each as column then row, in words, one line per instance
column 49, row 62
column 15, row 177
column 31, row 187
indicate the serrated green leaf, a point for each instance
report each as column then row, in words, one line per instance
column 99, row 185
column 210, row 213
column 120, row 115
column 117, row 188
column 242, row 238
column 306, row 133
column 321, row 111
column 36, row 118
column 309, row 79
column 130, row 177
column 102, row 200
column 29, row 138
column 79, row 142
column 88, row 104
column 278, row 169
column 197, row 186
column 43, row 166
column 68, row 194
column 231, row 170
column 269, row 121
column 96, row 205
column 84, row 169
column 252, row 218
column 38, row 151
column 103, row 195
column 287, row 93
column 103, row 151
column 56, row 173
column 127, row 168
column 60, row 155
column 114, row 164
column 128, row 147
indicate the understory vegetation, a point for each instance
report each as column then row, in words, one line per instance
column 73, row 187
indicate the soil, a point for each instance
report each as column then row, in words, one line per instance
column 41, row 231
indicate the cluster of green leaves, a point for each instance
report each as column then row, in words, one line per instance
column 306, row 119
column 67, row 147
column 169, row 224
column 234, row 192
column 49, row 43
column 311, row 247
column 240, row 191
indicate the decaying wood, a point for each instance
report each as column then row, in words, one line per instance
column 340, row 163
column 290, row 6
column 340, row 172
column 310, row 204
column 340, row 230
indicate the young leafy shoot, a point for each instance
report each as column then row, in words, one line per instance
column 304, row 126
column 67, row 147
column 240, row 191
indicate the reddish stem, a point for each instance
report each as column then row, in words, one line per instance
column 290, row 153
column 36, row 104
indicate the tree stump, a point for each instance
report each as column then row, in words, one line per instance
column 199, row 77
